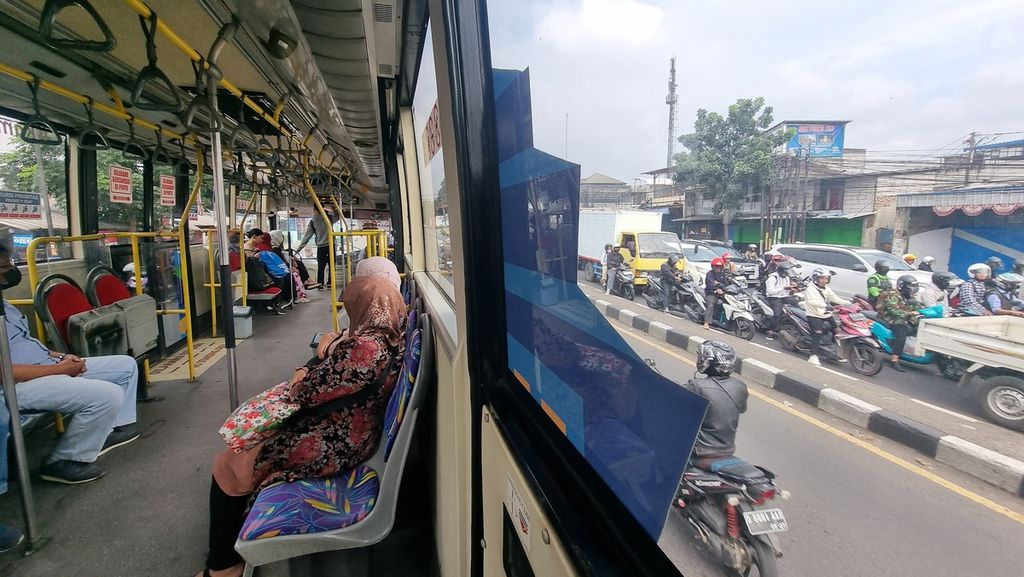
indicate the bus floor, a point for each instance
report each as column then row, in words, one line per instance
column 148, row 515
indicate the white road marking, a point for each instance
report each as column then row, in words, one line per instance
column 835, row 372
column 947, row 411
column 769, row 349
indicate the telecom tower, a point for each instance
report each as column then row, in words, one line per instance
column 671, row 101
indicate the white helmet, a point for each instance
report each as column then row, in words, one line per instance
column 821, row 273
column 928, row 259
column 979, row 267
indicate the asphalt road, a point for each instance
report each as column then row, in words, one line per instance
column 853, row 511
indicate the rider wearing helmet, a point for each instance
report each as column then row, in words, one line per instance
column 714, row 286
column 604, row 263
column 670, row 273
column 972, row 292
column 897, row 308
column 926, row 264
column 727, row 399
column 995, row 263
column 1018, row 266
column 615, row 261
column 777, row 288
column 751, row 253
column 909, row 258
column 939, row 294
column 818, row 301
column 879, row 281
column 1002, row 299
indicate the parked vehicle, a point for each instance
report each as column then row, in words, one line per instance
column 949, row 367
column 722, row 503
column 992, row 348
column 699, row 254
column 852, row 341
column 740, row 266
column 598, row 227
column 851, row 265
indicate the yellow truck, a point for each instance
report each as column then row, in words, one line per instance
column 646, row 251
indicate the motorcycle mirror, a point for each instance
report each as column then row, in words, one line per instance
column 651, row 363
column 834, row 273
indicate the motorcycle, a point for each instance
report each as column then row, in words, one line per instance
column 950, row 367
column 721, row 502
column 679, row 297
column 624, row 283
column 733, row 312
column 853, row 339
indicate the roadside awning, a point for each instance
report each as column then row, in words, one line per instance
column 838, row 214
column 983, row 197
column 59, row 222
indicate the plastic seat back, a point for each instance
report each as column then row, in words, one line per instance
column 57, row 299
column 103, row 287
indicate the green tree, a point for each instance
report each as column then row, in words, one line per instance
column 730, row 157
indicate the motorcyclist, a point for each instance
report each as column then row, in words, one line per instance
column 909, row 258
column 778, row 287
column 995, row 264
column 939, row 295
column 604, row 264
column 669, row 278
column 727, row 400
column 879, row 281
column 1001, row 299
column 898, row 310
column 818, row 301
column 615, row 261
column 972, row 292
column 714, row 286
column 926, row 264
column 751, row 253
column 1018, row 266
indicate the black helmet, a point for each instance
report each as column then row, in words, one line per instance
column 881, row 267
column 608, row 246
column 943, row 279
column 715, row 358
column 672, row 260
column 784, row 268
column 907, row 285
column 995, row 263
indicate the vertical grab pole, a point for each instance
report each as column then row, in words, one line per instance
column 21, row 457
column 227, row 291
column 330, row 255
column 143, row 393
column 212, row 283
column 182, row 248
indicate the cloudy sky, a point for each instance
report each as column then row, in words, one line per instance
column 912, row 75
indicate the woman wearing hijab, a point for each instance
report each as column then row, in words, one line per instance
column 277, row 247
column 379, row 266
column 311, row 445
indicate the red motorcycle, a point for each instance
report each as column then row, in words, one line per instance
column 852, row 339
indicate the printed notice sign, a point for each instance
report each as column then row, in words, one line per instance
column 120, row 184
column 167, row 191
column 517, row 510
column 19, row 205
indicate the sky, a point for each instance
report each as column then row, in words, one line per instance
column 912, row 75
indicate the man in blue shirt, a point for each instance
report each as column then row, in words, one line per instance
column 97, row 392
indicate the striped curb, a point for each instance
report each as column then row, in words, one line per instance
column 989, row 466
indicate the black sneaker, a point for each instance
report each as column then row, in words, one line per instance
column 119, row 437
column 70, row 472
column 9, row 538
column 896, row 367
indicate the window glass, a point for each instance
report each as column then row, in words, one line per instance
column 430, row 162
column 33, row 194
column 817, row 256
column 698, row 253
column 165, row 214
column 843, row 260
column 799, row 254
column 118, row 193
column 659, row 244
column 895, row 263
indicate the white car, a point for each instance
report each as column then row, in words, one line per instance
column 699, row 254
column 852, row 265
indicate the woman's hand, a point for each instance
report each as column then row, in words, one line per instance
column 300, row 373
column 325, row 343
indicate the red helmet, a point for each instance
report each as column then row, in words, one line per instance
column 727, row 256
column 778, row 258
column 717, row 261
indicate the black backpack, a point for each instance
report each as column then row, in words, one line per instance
column 256, row 276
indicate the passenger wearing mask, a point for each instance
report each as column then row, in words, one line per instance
column 910, row 259
column 879, row 281
column 727, row 400
column 604, row 264
column 615, row 262
column 320, row 229
column 818, row 301
column 324, row 438
column 1001, row 296
column 714, row 286
column 939, row 294
column 99, row 392
column 972, row 292
column 778, row 287
column 669, row 279
column 897, row 308
column 926, row 264
column 751, row 253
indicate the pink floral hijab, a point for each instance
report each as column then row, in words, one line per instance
column 373, row 302
column 379, row 266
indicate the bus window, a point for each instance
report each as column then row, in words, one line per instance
column 118, row 193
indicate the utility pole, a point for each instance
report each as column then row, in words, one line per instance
column 803, row 193
column 971, row 142
column 566, row 156
column 671, row 101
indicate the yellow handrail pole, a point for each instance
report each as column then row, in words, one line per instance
column 330, row 252
column 213, row 281
column 137, row 266
column 33, row 273
column 183, row 262
column 344, row 240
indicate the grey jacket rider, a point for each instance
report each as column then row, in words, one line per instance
column 727, row 398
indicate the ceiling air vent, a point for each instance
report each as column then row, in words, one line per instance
column 386, row 22
column 383, row 12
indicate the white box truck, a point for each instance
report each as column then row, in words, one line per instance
column 601, row 226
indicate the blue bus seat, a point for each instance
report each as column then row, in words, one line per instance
column 355, row 509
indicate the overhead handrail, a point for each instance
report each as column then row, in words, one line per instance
column 201, row 102
column 182, row 167
column 48, row 20
column 152, row 73
column 133, row 149
column 90, row 137
column 39, row 123
column 265, row 152
column 160, row 155
column 242, row 138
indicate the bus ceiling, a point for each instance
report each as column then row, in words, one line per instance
column 309, row 68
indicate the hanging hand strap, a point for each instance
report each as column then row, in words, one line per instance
column 151, row 73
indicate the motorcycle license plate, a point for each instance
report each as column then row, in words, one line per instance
column 765, row 521
column 857, row 317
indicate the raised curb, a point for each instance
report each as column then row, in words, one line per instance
column 984, row 464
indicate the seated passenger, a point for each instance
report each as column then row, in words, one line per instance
column 277, row 247
column 97, row 392
column 379, row 266
column 310, row 445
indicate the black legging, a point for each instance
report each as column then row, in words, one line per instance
column 776, row 303
column 821, row 333
column 227, row 515
column 900, row 333
column 322, row 260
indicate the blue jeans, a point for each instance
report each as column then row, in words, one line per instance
column 99, row 400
